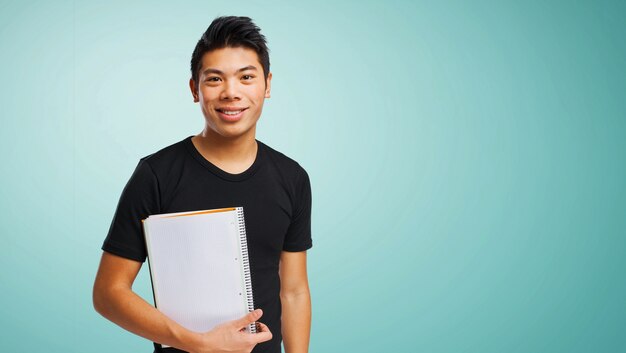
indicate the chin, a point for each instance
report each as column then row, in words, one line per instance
column 234, row 133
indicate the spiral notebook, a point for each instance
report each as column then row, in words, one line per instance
column 199, row 267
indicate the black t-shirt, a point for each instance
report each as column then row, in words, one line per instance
column 274, row 192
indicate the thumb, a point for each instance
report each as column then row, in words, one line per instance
column 248, row 319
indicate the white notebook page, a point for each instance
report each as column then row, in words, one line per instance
column 196, row 268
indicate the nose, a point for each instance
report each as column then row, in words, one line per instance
column 230, row 91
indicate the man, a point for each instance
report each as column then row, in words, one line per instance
column 223, row 166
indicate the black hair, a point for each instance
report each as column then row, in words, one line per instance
column 231, row 32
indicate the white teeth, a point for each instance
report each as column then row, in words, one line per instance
column 232, row 112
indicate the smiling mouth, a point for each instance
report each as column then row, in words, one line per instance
column 232, row 112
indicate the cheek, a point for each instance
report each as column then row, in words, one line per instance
column 207, row 91
column 206, row 98
column 257, row 94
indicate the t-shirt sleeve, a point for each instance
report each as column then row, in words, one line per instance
column 298, row 236
column 139, row 199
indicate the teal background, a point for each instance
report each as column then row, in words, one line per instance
column 466, row 158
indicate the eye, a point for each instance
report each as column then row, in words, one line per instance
column 212, row 79
column 247, row 77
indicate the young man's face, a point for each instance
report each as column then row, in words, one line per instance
column 231, row 89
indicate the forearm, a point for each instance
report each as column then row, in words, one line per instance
column 128, row 310
column 296, row 322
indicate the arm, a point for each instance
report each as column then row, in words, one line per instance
column 296, row 302
column 114, row 299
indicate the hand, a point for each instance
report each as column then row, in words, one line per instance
column 230, row 337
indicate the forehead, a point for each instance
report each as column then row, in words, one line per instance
column 229, row 60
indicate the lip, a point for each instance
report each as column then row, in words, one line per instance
column 231, row 118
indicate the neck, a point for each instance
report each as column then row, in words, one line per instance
column 228, row 152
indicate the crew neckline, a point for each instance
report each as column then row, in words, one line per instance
column 224, row 174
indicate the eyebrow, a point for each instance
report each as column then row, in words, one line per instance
column 216, row 71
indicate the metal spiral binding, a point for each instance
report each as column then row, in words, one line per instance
column 246, row 265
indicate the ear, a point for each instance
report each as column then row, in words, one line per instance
column 194, row 90
column 268, row 85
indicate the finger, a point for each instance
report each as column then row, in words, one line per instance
column 248, row 319
column 263, row 334
column 261, row 327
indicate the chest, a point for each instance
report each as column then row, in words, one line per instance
column 267, row 208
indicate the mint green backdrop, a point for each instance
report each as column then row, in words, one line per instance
column 467, row 164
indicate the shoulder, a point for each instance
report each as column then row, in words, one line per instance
column 165, row 158
column 285, row 165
